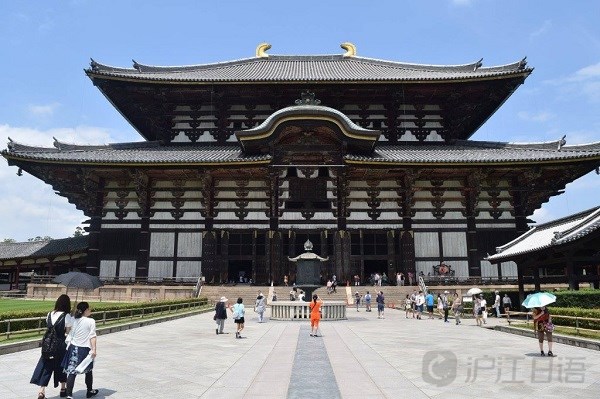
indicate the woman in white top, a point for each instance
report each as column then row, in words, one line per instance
column 82, row 340
column 61, row 321
column 238, row 316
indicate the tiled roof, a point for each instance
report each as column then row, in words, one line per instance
column 476, row 152
column 141, row 152
column 311, row 68
column 550, row 234
column 43, row 249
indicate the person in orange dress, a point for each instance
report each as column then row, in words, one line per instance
column 315, row 315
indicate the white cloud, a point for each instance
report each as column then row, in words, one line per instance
column 538, row 117
column 583, row 81
column 28, row 206
column 78, row 134
column 542, row 215
column 43, row 110
column 541, row 30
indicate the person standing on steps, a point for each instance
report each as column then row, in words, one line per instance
column 238, row 316
column 61, row 321
column 221, row 315
column 315, row 315
column 357, row 300
column 82, row 343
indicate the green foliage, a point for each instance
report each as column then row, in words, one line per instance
column 39, row 238
column 78, row 232
column 9, row 240
column 588, row 298
column 587, row 313
column 97, row 308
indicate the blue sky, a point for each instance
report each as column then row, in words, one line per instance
column 45, row 45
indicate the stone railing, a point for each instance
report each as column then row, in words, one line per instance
column 297, row 310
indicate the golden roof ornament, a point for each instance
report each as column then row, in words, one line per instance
column 261, row 50
column 350, row 49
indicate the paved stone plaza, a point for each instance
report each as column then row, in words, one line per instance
column 363, row 357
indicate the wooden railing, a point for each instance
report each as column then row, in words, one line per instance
column 528, row 317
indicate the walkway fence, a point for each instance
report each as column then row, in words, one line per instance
column 12, row 327
column 575, row 322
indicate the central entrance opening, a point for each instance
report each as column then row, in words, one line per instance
column 239, row 271
column 373, row 266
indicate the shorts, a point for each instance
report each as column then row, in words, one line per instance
column 420, row 308
column 430, row 308
column 380, row 307
column 239, row 321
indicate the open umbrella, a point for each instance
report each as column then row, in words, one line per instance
column 79, row 281
column 539, row 299
column 474, row 291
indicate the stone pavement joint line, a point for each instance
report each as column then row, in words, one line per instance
column 362, row 357
column 312, row 375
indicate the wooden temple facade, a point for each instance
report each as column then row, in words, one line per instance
column 242, row 161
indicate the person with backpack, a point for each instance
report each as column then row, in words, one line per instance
column 59, row 322
column 82, row 348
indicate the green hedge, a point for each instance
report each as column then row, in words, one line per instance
column 97, row 309
column 588, row 298
column 591, row 313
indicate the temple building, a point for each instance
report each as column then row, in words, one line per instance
column 243, row 161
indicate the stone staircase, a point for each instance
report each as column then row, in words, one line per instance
column 394, row 295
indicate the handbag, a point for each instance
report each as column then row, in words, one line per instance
column 549, row 327
column 215, row 317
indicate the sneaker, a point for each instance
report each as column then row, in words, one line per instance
column 550, row 354
column 91, row 392
column 542, row 353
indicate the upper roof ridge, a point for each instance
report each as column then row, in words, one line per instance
column 468, row 67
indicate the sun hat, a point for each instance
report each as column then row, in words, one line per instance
column 223, row 299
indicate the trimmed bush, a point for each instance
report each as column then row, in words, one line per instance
column 97, row 308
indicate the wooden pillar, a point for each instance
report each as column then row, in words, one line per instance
column 407, row 242
column 536, row 278
column 521, row 285
column 17, row 275
column 273, row 264
column 144, row 199
column 571, row 277
column 93, row 256
column 209, row 255
column 223, row 260
column 341, row 244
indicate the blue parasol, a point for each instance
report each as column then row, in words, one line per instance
column 539, row 299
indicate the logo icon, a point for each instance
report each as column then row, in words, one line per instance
column 439, row 367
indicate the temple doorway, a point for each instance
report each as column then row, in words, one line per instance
column 373, row 266
column 240, row 271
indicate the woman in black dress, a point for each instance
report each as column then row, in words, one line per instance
column 61, row 320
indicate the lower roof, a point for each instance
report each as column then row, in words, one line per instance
column 409, row 153
column 43, row 249
column 551, row 234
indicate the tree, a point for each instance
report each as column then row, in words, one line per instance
column 38, row 238
column 78, row 232
column 9, row 240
